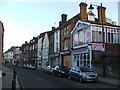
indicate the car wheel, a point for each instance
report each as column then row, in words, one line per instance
column 70, row 77
column 80, row 79
column 53, row 74
column 59, row 74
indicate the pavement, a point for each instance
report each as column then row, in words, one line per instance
column 110, row 81
column 7, row 80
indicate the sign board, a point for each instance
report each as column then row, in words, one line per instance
column 98, row 46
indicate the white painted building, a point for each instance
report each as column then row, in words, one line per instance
column 8, row 56
column 56, row 47
column 81, row 45
column 16, row 56
column 45, row 51
column 87, row 42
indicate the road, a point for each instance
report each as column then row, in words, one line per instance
column 39, row 79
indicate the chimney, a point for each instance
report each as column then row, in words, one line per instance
column 53, row 28
column 101, row 14
column 60, row 23
column 64, row 18
column 83, row 11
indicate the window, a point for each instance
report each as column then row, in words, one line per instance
column 66, row 44
column 113, row 35
column 57, row 46
column 78, row 38
column 56, row 35
column 97, row 34
column 65, row 30
column 81, row 37
column 75, row 39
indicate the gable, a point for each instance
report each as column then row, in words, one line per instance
column 80, row 25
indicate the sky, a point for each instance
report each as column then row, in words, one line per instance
column 24, row 19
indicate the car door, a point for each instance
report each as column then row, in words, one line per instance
column 77, row 73
column 71, row 72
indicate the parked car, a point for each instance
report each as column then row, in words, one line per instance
column 49, row 69
column 82, row 74
column 60, row 71
column 24, row 65
column 33, row 67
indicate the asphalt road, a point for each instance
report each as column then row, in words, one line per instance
column 39, row 79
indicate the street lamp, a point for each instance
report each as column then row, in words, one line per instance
column 91, row 8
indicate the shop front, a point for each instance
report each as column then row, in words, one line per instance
column 82, row 56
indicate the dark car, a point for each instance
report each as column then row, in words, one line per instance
column 61, row 71
column 82, row 74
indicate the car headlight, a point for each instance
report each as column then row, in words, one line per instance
column 62, row 72
column 96, row 74
column 84, row 75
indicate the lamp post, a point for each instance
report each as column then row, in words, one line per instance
column 103, row 63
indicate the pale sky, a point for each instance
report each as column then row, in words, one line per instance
column 23, row 20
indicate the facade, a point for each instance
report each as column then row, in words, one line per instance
column 33, row 48
column 51, row 49
column 1, row 43
column 39, row 51
column 1, row 50
column 16, row 59
column 24, row 53
column 81, row 45
column 93, row 41
column 65, row 39
column 45, row 51
column 8, row 56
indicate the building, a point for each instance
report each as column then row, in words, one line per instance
column 9, row 56
column 119, row 13
column 39, row 61
column 45, row 51
column 1, row 43
column 96, row 43
column 24, row 53
column 51, row 49
column 17, row 53
column 65, row 39
column 33, row 48
column 1, row 50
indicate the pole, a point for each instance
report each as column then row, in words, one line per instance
column 14, row 80
column 103, row 61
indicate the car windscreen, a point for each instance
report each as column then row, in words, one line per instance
column 84, row 69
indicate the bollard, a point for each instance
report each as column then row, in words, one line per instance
column 13, row 84
column 14, row 80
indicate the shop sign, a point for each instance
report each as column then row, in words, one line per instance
column 98, row 46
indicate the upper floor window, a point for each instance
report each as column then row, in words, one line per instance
column 78, row 38
column 65, row 30
column 97, row 34
column 113, row 35
column 66, row 44
column 56, row 35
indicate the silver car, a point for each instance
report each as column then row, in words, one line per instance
column 82, row 74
